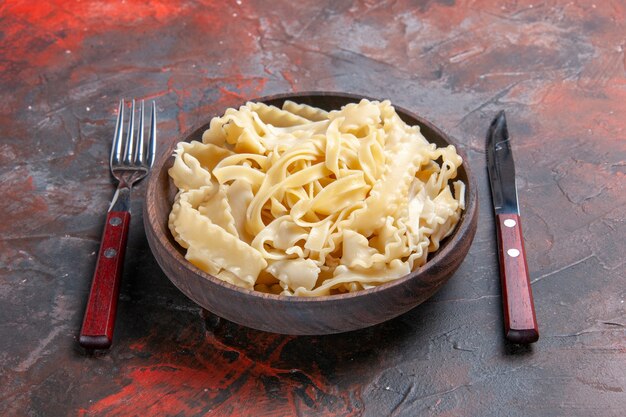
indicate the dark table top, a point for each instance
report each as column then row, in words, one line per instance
column 556, row 67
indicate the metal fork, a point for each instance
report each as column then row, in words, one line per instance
column 127, row 168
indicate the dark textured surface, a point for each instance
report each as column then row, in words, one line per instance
column 556, row 67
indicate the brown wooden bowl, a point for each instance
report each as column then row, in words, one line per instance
column 305, row 315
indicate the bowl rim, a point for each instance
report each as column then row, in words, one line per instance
column 464, row 226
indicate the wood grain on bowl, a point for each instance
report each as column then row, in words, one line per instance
column 305, row 315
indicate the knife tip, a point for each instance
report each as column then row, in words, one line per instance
column 500, row 117
column 498, row 127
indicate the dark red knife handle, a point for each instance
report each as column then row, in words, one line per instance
column 520, row 322
column 99, row 320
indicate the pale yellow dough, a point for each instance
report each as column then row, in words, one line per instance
column 300, row 201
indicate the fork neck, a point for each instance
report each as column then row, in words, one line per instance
column 121, row 199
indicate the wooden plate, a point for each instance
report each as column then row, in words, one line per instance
column 305, row 315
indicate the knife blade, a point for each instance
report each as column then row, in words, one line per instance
column 520, row 322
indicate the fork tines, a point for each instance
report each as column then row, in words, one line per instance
column 136, row 153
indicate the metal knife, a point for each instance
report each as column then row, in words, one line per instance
column 520, row 322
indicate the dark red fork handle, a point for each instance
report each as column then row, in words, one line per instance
column 520, row 323
column 99, row 320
